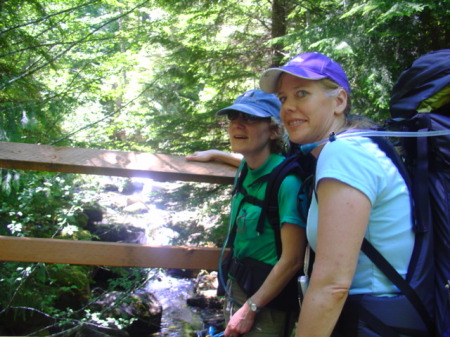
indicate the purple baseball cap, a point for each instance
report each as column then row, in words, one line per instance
column 311, row 66
column 257, row 103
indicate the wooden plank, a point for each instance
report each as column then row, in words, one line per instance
column 112, row 163
column 107, row 253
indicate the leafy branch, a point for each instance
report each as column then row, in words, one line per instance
column 32, row 69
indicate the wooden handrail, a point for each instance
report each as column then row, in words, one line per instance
column 110, row 163
column 107, row 253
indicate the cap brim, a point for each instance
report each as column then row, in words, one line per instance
column 268, row 81
column 245, row 108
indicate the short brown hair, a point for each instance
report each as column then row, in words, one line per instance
column 279, row 144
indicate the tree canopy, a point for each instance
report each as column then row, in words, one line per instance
column 149, row 75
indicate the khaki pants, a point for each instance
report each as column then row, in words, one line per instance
column 268, row 323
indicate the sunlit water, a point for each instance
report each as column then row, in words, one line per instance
column 178, row 319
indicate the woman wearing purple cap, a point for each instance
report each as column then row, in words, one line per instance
column 256, row 132
column 359, row 193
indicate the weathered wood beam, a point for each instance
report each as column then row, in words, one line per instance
column 107, row 253
column 112, row 163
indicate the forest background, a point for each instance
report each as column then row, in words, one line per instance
column 149, row 76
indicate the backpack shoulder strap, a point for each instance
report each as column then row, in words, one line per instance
column 239, row 187
column 300, row 165
column 240, row 179
column 389, row 150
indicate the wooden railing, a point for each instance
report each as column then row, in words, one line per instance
column 111, row 163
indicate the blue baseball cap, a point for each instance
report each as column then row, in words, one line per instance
column 257, row 103
column 311, row 66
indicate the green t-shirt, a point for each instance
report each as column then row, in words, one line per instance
column 248, row 242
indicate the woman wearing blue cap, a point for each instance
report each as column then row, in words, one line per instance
column 256, row 133
column 359, row 193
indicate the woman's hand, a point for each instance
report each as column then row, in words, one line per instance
column 291, row 261
column 241, row 322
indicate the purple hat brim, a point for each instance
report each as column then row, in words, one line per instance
column 268, row 81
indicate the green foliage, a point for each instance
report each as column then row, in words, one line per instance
column 129, row 279
column 62, row 293
column 200, row 212
column 104, row 74
column 373, row 40
column 43, row 286
column 149, row 75
column 46, row 205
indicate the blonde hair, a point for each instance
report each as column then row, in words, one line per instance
column 351, row 121
column 332, row 89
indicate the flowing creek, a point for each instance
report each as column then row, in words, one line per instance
column 172, row 293
column 178, row 319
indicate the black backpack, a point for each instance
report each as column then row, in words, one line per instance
column 424, row 162
column 420, row 101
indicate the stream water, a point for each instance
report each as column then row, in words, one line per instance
column 178, row 319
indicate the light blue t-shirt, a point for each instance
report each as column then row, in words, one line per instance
column 358, row 162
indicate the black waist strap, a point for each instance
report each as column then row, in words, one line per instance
column 240, row 268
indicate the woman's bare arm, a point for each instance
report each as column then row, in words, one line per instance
column 233, row 159
column 343, row 217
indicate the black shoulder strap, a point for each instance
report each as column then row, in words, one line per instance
column 301, row 165
column 390, row 151
column 422, row 206
column 236, row 189
column 239, row 188
column 238, row 182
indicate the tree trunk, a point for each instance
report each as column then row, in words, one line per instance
column 279, row 23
